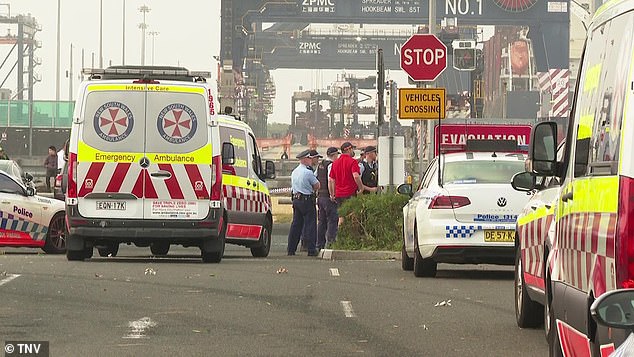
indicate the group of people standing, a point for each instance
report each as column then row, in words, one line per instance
column 337, row 178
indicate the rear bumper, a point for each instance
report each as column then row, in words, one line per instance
column 140, row 230
column 474, row 255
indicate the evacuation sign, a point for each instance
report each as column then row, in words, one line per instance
column 421, row 103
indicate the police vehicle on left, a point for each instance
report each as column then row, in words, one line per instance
column 28, row 220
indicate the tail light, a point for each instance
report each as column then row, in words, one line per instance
column 216, row 179
column 71, row 191
column 625, row 234
column 449, row 202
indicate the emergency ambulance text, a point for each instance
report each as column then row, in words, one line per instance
column 99, row 157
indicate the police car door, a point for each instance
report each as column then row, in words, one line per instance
column 178, row 150
column 110, row 150
column 20, row 215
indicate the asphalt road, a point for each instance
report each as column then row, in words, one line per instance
column 136, row 305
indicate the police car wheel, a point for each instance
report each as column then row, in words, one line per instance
column 422, row 267
column 56, row 236
column 264, row 243
column 109, row 250
column 159, row 248
column 407, row 263
column 528, row 313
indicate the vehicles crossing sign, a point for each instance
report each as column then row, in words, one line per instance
column 423, row 57
column 421, row 103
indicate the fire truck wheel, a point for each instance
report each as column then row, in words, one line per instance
column 528, row 313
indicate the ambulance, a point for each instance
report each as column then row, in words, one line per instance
column 577, row 242
column 152, row 163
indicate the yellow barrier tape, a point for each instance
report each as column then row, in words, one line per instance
column 87, row 153
column 238, row 181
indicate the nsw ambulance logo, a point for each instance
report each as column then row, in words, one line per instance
column 177, row 123
column 113, row 121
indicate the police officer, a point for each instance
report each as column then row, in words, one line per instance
column 369, row 170
column 327, row 215
column 303, row 185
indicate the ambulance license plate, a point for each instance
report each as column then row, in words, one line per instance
column 491, row 235
column 111, row 205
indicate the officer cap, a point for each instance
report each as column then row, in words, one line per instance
column 303, row 154
column 347, row 145
column 331, row 150
column 369, row 149
column 314, row 153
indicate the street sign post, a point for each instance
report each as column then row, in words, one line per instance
column 423, row 57
column 421, row 103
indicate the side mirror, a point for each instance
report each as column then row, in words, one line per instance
column 524, row 181
column 405, row 189
column 614, row 309
column 28, row 176
column 228, row 154
column 543, row 149
column 30, row 191
column 269, row 169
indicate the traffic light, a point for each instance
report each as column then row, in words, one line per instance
column 464, row 59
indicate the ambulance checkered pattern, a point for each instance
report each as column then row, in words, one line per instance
column 461, row 231
column 586, row 252
column 533, row 235
column 245, row 200
column 12, row 223
column 186, row 181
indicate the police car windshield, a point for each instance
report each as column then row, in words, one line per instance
column 481, row 171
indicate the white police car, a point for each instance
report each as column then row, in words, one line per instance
column 467, row 216
column 27, row 220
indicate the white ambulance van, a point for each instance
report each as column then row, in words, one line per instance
column 581, row 245
column 145, row 166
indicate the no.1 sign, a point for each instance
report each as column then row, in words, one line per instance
column 423, row 57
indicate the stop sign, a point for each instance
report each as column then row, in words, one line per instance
column 423, row 57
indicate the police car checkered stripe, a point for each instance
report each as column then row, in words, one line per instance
column 586, row 252
column 10, row 222
column 461, row 231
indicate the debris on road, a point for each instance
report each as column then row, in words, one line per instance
column 282, row 270
column 98, row 275
column 443, row 303
column 150, row 271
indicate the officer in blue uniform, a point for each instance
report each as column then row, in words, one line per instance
column 304, row 184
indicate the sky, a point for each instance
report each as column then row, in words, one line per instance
column 188, row 35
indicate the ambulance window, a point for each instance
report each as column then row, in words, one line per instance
column 600, row 103
column 238, row 139
column 114, row 121
column 256, row 161
column 176, row 122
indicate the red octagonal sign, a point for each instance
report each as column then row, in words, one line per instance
column 423, row 57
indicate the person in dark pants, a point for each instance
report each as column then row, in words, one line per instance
column 303, row 185
column 51, row 167
column 314, row 156
column 369, row 171
column 327, row 215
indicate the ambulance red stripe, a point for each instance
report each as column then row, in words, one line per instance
column 194, row 176
column 573, row 342
column 245, row 231
column 118, row 176
column 137, row 189
column 92, row 176
column 172, row 183
column 149, row 190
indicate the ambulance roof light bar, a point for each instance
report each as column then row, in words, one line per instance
column 147, row 73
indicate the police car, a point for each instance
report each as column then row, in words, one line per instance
column 463, row 211
column 27, row 220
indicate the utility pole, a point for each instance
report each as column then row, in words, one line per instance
column 100, row 33
column 153, row 34
column 143, row 26
column 123, row 37
column 70, row 75
column 57, row 70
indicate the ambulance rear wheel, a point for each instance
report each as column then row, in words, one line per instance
column 159, row 248
column 528, row 313
column 264, row 243
column 109, row 250
column 217, row 248
column 56, row 235
column 84, row 251
column 422, row 267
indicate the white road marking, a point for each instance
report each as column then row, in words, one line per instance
column 8, row 278
column 347, row 309
column 334, row 272
column 138, row 327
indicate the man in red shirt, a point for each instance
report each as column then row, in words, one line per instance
column 344, row 180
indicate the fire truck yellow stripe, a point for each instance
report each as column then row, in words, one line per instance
column 87, row 153
column 238, row 181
